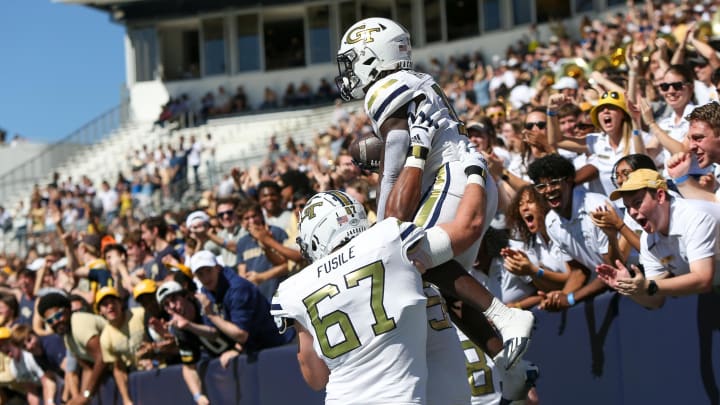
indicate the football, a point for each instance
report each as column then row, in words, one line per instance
column 366, row 151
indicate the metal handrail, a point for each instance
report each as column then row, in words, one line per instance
column 41, row 165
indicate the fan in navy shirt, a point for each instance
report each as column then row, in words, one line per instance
column 236, row 307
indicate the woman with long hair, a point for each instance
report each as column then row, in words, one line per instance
column 532, row 254
column 619, row 136
column 626, row 230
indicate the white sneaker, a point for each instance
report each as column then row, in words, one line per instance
column 517, row 381
column 515, row 326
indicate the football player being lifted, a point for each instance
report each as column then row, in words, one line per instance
column 375, row 64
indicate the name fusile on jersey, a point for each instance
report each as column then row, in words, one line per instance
column 337, row 261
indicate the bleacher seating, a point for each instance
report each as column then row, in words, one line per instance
column 240, row 140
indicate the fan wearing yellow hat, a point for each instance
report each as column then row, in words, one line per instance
column 145, row 286
column 619, row 135
column 121, row 338
column 679, row 247
column 157, row 346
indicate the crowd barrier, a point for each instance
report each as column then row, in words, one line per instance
column 605, row 351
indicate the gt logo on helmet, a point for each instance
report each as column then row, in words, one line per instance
column 309, row 211
column 361, row 34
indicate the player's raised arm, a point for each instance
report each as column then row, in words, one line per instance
column 471, row 218
column 447, row 240
column 403, row 198
column 397, row 138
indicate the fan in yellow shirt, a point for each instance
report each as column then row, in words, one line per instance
column 121, row 338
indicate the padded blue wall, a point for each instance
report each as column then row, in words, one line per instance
column 606, row 351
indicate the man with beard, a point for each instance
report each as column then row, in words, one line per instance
column 570, row 226
column 81, row 332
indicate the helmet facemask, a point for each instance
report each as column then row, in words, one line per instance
column 370, row 47
column 305, row 249
column 354, row 74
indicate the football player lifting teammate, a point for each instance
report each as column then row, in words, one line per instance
column 375, row 64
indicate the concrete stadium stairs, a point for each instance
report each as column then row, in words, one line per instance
column 240, row 140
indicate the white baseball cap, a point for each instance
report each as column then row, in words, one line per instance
column 203, row 258
column 60, row 264
column 166, row 289
column 565, row 82
column 196, row 216
column 36, row 264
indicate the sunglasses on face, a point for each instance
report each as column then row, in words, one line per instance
column 225, row 213
column 581, row 126
column 54, row 318
column 611, row 94
column 496, row 115
column 538, row 124
column 675, row 85
column 553, row 183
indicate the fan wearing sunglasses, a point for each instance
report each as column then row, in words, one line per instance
column 227, row 237
column 619, row 135
column 569, row 226
column 81, row 331
column 535, row 133
column 677, row 90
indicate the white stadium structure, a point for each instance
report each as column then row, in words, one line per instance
column 175, row 47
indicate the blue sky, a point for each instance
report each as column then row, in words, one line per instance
column 62, row 65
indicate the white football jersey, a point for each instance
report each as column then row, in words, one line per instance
column 444, row 179
column 394, row 91
column 365, row 308
column 483, row 379
column 447, row 379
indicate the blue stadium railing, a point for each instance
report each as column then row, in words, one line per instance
column 605, row 351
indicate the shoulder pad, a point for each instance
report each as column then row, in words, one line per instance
column 282, row 312
column 410, row 235
column 276, row 307
column 387, row 95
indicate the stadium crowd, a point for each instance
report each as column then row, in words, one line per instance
column 599, row 145
column 185, row 112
